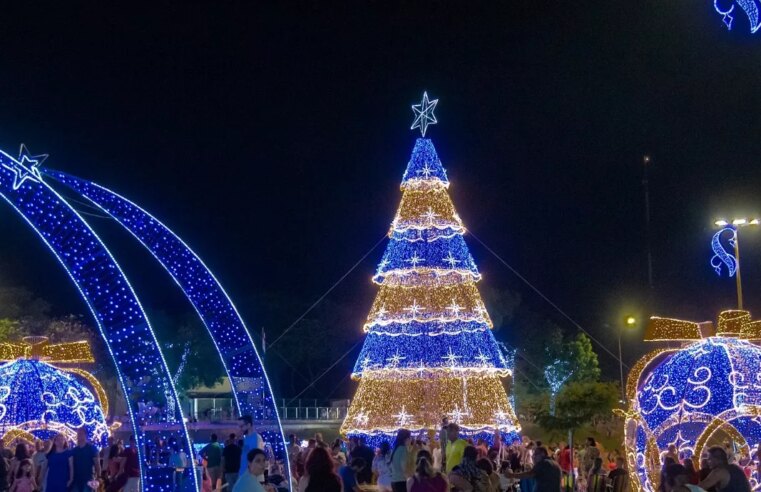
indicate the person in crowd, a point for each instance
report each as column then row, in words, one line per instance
column 596, row 478
column 426, row 479
column 455, row 447
column 85, row 461
column 294, row 450
column 319, row 441
column 672, row 453
column 488, row 467
column 677, row 480
column 564, row 461
column 588, row 455
column 466, row 475
column 724, row 476
column 59, row 467
column 4, row 473
column 336, row 451
column 482, row 448
column 437, row 455
column 496, row 442
column 212, row 452
column 362, row 450
column 131, row 466
column 382, row 467
column 349, row 473
column 114, row 463
column 545, row 472
column 231, row 461
column 705, row 470
column 20, row 454
column 443, row 442
column 38, row 461
column 319, row 475
column 400, row 461
column 24, row 481
column 667, row 460
column 251, row 440
column 256, row 463
column 693, row 476
column 619, row 476
column 206, row 485
column 179, row 462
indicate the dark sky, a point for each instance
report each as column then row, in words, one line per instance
column 273, row 139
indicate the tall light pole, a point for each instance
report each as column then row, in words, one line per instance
column 645, row 182
column 735, row 225
column 629, row 322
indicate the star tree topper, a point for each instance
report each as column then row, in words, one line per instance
column 424, row 114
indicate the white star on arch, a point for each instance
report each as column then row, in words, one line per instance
column 26, row 167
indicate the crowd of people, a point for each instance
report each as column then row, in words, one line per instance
column 720, row 471
column 241, row 465
column 449, row 462
column 446, row 463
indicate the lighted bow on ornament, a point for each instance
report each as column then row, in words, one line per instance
column 59, row 402
column 40, row 348
column 684, row 396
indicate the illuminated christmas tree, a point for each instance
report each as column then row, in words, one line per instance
column 429, row 352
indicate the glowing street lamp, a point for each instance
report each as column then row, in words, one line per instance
column 722, row 257
column 629, row 322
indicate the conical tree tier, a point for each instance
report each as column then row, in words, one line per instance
column 477, row 404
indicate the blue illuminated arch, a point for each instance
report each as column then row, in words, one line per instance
column 252, row 390
column 104, row 287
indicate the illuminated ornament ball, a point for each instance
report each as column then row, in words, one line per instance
column 40, row 400
column 708, row 392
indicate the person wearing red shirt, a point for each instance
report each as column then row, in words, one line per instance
column 564, row 460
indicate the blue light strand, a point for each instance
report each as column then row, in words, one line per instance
column 750, row 7
column 556, row 374
column 444, row 255
column 720, row 255
column 104, row 287
column 477, row 350
column 428, row 328
column 224, row 324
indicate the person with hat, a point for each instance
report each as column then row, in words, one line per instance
column 455, row 447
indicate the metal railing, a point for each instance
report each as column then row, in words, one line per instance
column 313, row 413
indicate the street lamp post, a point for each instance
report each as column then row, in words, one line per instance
column 629, row 322
column 735, row 225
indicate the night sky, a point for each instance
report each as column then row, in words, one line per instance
column 273, row 140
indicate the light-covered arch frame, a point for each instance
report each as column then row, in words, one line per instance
column 248, row 379
column 104, row 287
